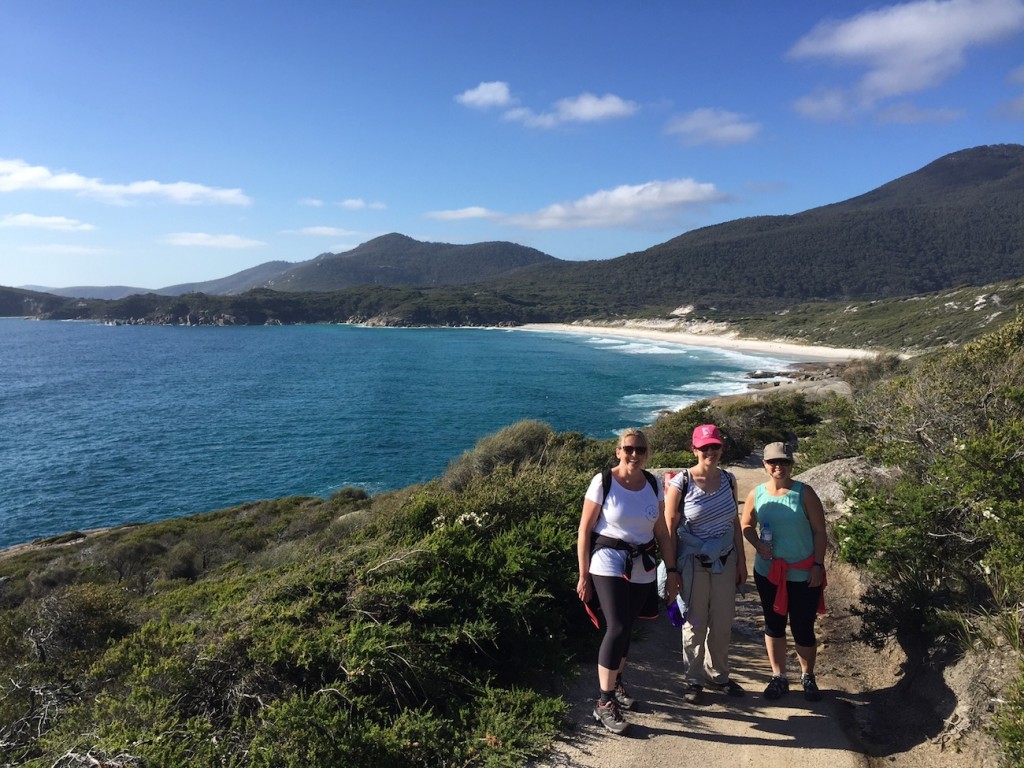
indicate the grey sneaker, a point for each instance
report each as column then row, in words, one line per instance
column 811, row 692
column 692, row 692
column 777, row 688
column 626, row 701
column 734, row 689
column 610, row 716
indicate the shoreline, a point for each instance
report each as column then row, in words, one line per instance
column 712, row 338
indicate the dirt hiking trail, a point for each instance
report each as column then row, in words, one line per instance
column 789, row 732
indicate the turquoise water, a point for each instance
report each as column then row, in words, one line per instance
column 104, row 425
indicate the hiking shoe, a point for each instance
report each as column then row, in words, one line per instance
column 732, row 688
column 777, row 688
column 811, row 692
column 610, row 716
column 625, row 700
column 692, row 692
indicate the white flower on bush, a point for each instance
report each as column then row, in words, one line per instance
column 470, row 518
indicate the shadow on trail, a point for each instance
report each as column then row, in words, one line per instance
column 844, row 729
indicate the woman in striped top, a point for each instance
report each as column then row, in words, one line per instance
column 700, row 506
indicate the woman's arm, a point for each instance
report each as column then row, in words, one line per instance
column 666, row 538
column 741, row 553
column 672, row 497
column 748, row 525
column 588, row 519
column 816, row 517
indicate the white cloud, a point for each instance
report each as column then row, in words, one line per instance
column 210, row 241
column 1013, row 109
column 473, row 212
column 825, row 104
column 626, row 205
column 358, row 204
column 327, row 232
column 1016, row 77
column 905, row 48
column 713, row 126
column 57, row 249
column 311, row 202
column 487, row 95
column 585, row 108
column 909, row 114
column 58, row 223
column 17, row 175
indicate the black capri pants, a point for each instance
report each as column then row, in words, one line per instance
column 803, row 610
column 621, row 602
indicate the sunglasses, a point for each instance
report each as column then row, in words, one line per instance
column 778, row 462
column 710, row 447
column 639, row 450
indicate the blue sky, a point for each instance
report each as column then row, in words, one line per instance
column 155, row 143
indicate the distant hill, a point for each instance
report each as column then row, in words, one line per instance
column 19, row 302
column 240, row 282
column 89, row 291
column 959, row 221
column 397, row 260
column 390, row 260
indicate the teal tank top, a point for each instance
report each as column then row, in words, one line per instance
column 792, row 537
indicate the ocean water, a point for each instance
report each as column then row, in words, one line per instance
column 103, row 425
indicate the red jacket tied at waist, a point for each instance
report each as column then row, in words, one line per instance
column 777, row 576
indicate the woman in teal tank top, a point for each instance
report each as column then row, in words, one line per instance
column 785, row 524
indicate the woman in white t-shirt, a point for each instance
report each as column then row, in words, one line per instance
column 615, row 549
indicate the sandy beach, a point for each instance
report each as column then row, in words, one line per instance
column 652, row 331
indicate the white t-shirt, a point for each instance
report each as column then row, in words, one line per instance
column 629, row 516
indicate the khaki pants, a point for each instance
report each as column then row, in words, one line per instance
column 708, row 629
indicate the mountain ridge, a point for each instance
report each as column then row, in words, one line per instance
column 957, row 221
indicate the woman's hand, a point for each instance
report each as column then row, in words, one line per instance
column 673, row 586
column 816, row 576
column 764, row 550
column 741, row 572
column 584, row 589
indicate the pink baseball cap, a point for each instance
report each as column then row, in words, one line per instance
column 706, row 434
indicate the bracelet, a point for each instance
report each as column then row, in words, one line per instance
column 671, row 570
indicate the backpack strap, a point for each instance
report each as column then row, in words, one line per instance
column 606, row 482
column 732, row 483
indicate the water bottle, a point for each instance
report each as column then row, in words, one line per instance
column 677, row 612
column 766, row 535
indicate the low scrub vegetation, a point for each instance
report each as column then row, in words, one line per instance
column 435, row 625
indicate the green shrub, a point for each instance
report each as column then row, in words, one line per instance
column 948, row 537
column 1008, row 723
column 861, row 374
column 746, row 425
column 521, row 443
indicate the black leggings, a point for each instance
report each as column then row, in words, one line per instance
column 621, row 602
column 803, row 609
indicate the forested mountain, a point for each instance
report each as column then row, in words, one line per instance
column 111, row 292
column 394, row 260
column 399, row 260
column 959, row 221
column 18, row 302
column 240, row 282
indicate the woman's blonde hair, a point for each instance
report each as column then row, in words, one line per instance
column 634, row 432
